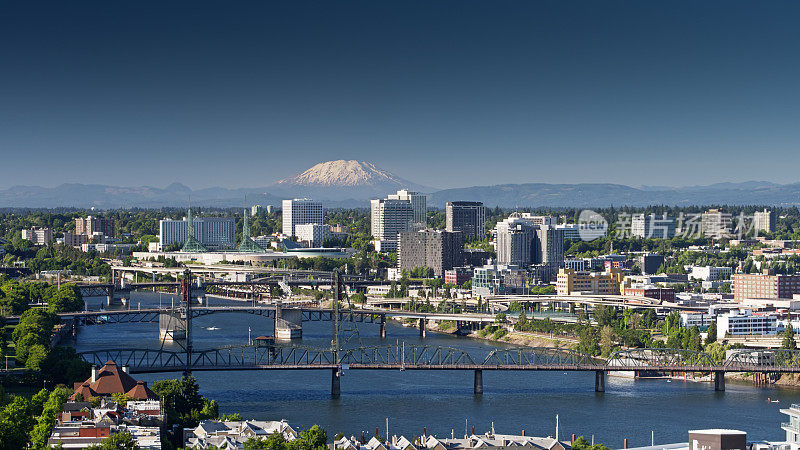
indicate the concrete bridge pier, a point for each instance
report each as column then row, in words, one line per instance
column 171, row 327
column 719, row 381
column 336, row 386
column 422, row 327
column 599, row 380
column 288, row 323
column 477, row 388
column 383, row 327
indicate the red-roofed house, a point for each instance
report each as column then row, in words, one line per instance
column 109, row 380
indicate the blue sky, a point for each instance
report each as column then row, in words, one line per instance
column 444, row 93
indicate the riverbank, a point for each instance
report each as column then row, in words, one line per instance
column 520, row 338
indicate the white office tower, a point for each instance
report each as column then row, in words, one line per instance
column 516, row 239
column 300, row 211
column 389, row 218
column 419, row 205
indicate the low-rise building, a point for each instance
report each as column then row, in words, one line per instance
column 233, row 434
column 710, row 273
column 312, row 234
column 569, row 282
column 651, row 291
column 699, row 320
column 746, row 323
column 765, row 285
column 457, row 276
column 113, row 248
column 498, row 279
column 792, row 427
column 111, row 379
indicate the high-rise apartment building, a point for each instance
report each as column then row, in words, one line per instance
column 300, row 211
column 715, row 224
column 764, row 221
column 550, row 245
column 419, row 206
column 521, row 242
column 765, row 285
column 516, row 238
column 75, row 240
column 91, row 225
column 439, row 250
column 650, row 226
column 467, row 217
column 388, row 219
column 211, row 232
column 37, row 235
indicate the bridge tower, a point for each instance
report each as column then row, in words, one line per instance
column 248, row 245
column 192, row 244
column 344, row 330
column 186, row 300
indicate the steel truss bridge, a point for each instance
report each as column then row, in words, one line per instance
column 347, row 355
column 424, row 357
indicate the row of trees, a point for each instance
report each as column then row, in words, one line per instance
column 29, row 422
column 314, row 438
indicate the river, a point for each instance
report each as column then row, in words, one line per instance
column 443, row 401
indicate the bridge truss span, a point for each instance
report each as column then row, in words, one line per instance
column 661, row 359
column 541, row 357
column 780, row 360
column 407, row 356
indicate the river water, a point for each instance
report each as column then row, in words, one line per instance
column 443, row 401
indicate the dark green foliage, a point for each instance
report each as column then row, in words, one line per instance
column 183, row 403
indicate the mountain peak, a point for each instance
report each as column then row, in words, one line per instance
column 345, row 173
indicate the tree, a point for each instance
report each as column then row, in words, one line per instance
column 274, row 441
column 522, row 322
column 118, row 441
column 183, row 403
column 359, row 298
column 37, row 354
column 581, row 443
column 14, row 299
column 588, row 343
column 121, row 399
column 44, row 426
column 606, row 341
column 788, row 338
column 66, row 299
column 712, row 333
column 694, row 339
column 313, row 438
column 605, row 315
column 15, row 422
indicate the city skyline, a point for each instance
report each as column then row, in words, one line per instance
column 631, row 93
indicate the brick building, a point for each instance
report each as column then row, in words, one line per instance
column 764, row 285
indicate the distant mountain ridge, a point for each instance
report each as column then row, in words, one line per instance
column 353, row 183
